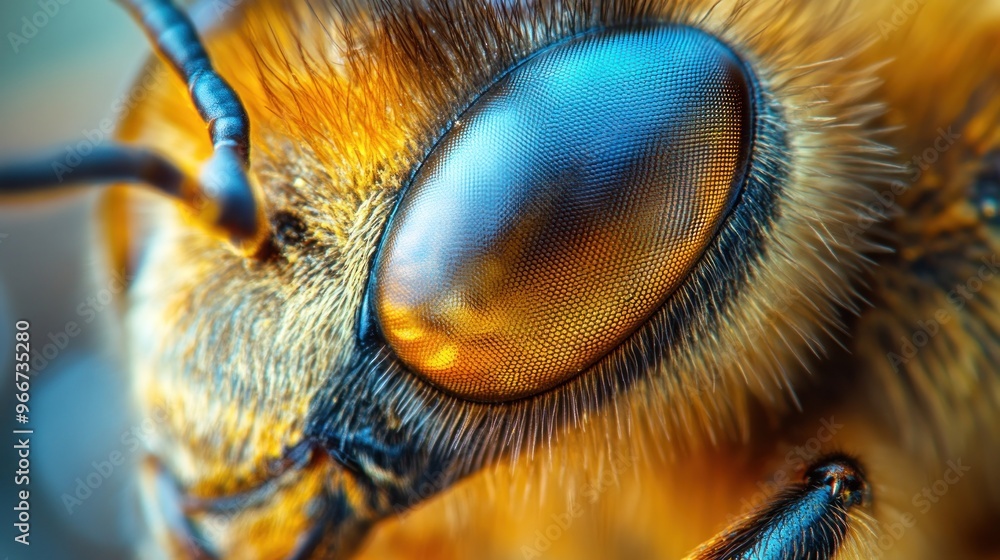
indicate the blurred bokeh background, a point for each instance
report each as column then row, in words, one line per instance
column 77, row 57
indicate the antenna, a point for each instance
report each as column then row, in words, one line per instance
column 223, row 194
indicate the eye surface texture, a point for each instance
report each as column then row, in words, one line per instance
column 562, row 208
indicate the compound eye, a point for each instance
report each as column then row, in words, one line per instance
column 562, row 209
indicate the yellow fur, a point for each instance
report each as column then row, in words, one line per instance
column 344, row 101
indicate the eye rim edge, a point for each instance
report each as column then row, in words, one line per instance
column 368, row 332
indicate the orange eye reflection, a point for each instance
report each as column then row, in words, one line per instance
column 562, row 209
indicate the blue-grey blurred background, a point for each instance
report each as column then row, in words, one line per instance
column 54, row 85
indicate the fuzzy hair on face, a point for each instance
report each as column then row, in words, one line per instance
column 347, row 98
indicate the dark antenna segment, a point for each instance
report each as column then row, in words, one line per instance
column 223, row 194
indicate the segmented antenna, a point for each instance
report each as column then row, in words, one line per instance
column 223, row 194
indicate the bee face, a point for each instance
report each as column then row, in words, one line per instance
column 417, row 360
column 571, row 238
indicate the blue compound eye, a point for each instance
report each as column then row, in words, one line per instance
column 562, row 209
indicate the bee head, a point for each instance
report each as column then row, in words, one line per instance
column 488, row 224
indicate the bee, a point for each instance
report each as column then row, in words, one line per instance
column 702, row 279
